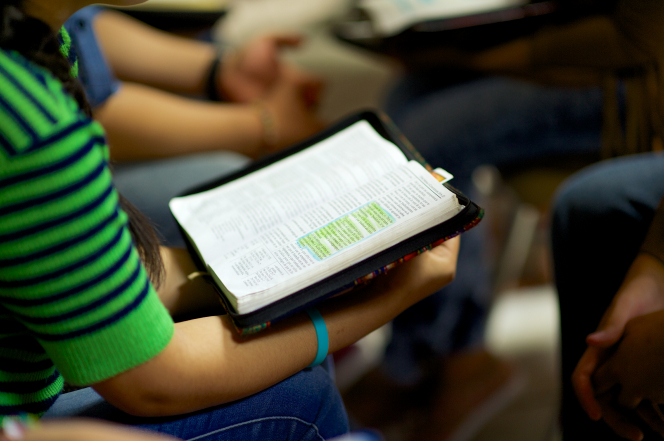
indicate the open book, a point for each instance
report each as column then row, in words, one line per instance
column 312, row 215
column 393, row 16
column 403, row 27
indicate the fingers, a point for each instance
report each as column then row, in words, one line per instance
column 642, row 292
column 583, row 385
column 299, row 76
column 264, row 51
column 422, row 275
column 310, row 86
column 449, row 247
column 604, row 379
column 619, row 423
column 610, row 332
column 652, row 416
column 444, row 258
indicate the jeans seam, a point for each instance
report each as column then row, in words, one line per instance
column 257, row 421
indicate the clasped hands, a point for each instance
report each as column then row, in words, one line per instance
column 620, row 377
column 256, row 73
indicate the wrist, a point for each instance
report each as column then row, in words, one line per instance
column 649, row 266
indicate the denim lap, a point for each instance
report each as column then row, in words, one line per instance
column 306, row 406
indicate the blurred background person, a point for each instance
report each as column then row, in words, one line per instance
column 585, row 88
column 608, row 249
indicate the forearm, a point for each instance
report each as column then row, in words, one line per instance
column 144, row 123
column 207, row 364
column 141, row 54
column 654, row 241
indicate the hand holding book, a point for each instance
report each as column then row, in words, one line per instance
column 323, row 218
column 205, row 353
column 419, row 278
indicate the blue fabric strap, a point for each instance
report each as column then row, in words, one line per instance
column 321, row 336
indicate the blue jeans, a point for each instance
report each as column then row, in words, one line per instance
column 306, row 406
column 601, row 218
column 459, row 127
column 150, row 185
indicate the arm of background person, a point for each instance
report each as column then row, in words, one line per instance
column 142, row 54
column 145, row 123
column 139, row 53
column 641, row 293
column 154, row 63
column 207, row 364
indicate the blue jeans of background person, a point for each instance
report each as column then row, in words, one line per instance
column 601, row 217
column 458, row 127
column 306, row 406
column 149, row 185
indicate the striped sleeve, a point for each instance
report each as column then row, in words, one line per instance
column 69, row 273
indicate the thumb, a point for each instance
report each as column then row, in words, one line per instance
column 623, row 308
column 583, row 385
column 607, row 337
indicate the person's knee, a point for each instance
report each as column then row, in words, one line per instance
column 582, row 201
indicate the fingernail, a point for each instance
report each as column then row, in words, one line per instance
column 595, row 337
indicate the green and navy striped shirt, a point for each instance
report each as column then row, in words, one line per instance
column 75, row 300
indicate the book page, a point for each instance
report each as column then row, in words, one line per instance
column 334, row 235
column 225, row 217
column 393, row 16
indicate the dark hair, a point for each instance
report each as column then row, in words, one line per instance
column 37, row 42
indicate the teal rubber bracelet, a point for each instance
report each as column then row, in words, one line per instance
column 321, row 336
